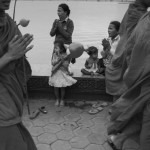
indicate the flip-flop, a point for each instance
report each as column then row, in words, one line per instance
column 96, row 105
column 104, row 104
column 94, row 111
column 43, row 110
column 99, row 108
column 34, row 114
column 110, row 142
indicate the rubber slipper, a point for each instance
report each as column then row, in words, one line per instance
column 43, row 110
column 104, row 104
column 34, row 114
column 99, row 109
column 93, row 111
column 96, row 105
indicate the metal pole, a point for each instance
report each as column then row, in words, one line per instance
column 14, row 10
column 24, row 69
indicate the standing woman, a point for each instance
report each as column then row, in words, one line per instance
column 13, row 46
column 63, row 29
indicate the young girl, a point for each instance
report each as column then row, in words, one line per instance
column 110, row 44
column 91, row 64
column 61, row 77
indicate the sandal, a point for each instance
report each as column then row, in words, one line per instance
column 96, row 105
column 104, row 104
column 95, row 111
column 43, row 110
column 34, row 114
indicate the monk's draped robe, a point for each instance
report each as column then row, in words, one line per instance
column 12, row 81
column 114, row 72
column 13, row 135
column 136, row 78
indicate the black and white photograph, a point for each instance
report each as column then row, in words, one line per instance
column 74, row 75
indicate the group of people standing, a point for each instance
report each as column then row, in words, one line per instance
column 125, row 64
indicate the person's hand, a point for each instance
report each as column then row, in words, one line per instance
column 105, row 44
column 59, row 24
column 19, row 46
column 56, row 23
column 92, row 73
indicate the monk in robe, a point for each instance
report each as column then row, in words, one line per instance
column 131, row 112
column 13, row 69
column 114, row 71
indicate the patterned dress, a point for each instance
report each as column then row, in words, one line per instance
column 61, row 78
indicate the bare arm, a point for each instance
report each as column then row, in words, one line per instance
column 86, row 64
column 55, row 59
column 4, row 60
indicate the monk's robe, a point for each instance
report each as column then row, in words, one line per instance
column 114, row 72
column 12, row 81
column 13, row 135
column 136, row 78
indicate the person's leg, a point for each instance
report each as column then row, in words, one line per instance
column 85, row 72
column 145, row 132
column 56, row 92
column 63, row 91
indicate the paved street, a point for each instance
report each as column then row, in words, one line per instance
column 67, row 128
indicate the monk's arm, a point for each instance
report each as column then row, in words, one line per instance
column 4, row 60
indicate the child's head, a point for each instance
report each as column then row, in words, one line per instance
column 93, row 52
column 59, row 46
column 113, row 29
column 63, row 11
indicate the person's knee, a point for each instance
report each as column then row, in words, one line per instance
column 85, row 72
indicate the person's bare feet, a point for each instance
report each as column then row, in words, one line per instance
column 61, row 103
column 57, row 103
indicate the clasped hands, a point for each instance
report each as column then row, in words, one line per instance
column 106, row 44
column 58, row 23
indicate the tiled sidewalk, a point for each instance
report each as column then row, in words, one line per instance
column 67, row 128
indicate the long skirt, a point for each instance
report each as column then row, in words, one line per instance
column 16, row 137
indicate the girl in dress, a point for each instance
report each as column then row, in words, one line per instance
column 61, row 77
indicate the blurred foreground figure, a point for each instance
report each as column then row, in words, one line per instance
column 131, row 112
column 13, row 46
